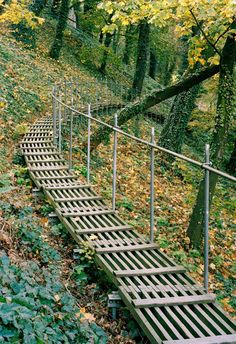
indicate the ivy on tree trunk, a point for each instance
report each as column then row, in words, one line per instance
column 141, row 62
column 61, row 25
column 107, row 44
column 173, row 130
column 152, row 64
column 231, row 165
column 223, row 118
column 128, row 44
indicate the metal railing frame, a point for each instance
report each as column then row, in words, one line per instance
column 57, row 139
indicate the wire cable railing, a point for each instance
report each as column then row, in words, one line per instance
column 65, row 109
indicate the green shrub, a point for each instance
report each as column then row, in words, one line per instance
column 35, row 308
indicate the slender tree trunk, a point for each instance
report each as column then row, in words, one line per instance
column 37, row 6
column 231, row 165
column 107, row 44
column 173, row 130
column 170, row 66
column 152, row 64
column 128, row 44
column 55, row 7
column 115, row 41
column 77, row 11
column 223, row 117
column 156, row 97
column 141, row 62
column 61, row 25
column 2, row 6
column 101, row 36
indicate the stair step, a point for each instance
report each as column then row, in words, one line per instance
column 138, row 247
column 74, row 199
column 154, row 271
column 173, row 301
column 221, row 339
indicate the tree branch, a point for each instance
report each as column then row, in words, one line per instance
column 205, row 36
column 155, row 97
column 226, row 30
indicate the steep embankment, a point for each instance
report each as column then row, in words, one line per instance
column 58, row 301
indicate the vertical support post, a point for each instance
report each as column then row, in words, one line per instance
column 59, row 125
column 152, row 173
column 114, row 166
column 206, row 218
column 88, row 146
column 71, row 134
column 65, row 96
column 54, row 115
column 107, row 96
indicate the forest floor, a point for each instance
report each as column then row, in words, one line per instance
column 27, row 77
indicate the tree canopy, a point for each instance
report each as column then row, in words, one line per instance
column 213, row 18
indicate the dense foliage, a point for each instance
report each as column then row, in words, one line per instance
column 35, row 307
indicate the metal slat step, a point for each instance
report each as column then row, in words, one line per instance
column 38, row 145
column 55, row 178
column 138, row 247
column 37, row 135
column 87, row 213
column 221, row 339
column 67, row 187
column 104, row 229
column 41, row 153
column 36, row 141
column 39, row 161
column 74, row 199
column 173, row 301
column 163, row 288
column 154, row 271
column 48, row 168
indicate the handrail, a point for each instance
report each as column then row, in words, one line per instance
column 206, row 166
column 151, row 145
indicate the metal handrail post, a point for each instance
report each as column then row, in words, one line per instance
column 54, row 115
column 71, row 134
column 152, row 172
column 65, row 96
column 114, row 165
column 59, row 125
column 88, row 145
column 206, row 218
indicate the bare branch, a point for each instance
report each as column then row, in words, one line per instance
column 204, row 34
column 226, row 30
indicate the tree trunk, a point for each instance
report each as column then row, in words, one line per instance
column 173, row 130
column 101, row 35
column 61, row 25
column 152, row 64
column 170, row 66
column 141, row 62
column 128, row 44
column 223, row 117
column 156, row 97
column 2, row 6
column 231, row 165
column 107, row 44
column 37, row 6
column 55, row 7
column 115, row 41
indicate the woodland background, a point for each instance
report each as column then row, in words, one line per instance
column 174, row 63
